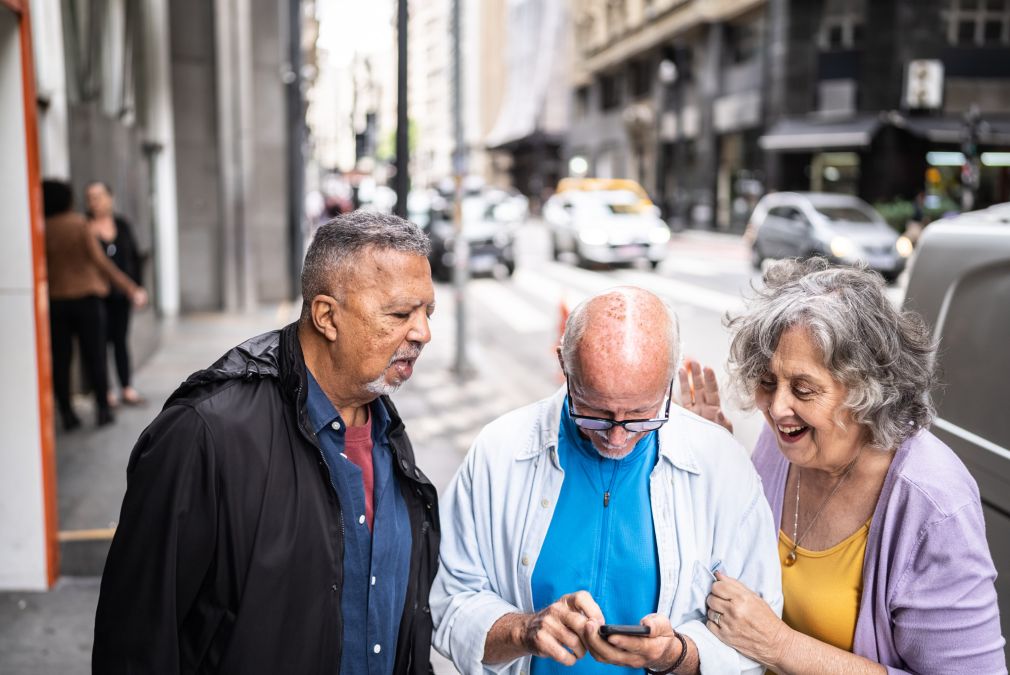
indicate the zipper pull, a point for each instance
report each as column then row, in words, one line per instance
column 606, row 499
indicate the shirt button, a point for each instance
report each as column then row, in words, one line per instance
column 373, row 581
column 377, row 648
column 544, row 503
column 361, row 520
column 335, row 426
column 526, row 560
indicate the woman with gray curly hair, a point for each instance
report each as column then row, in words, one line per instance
column 885, row 565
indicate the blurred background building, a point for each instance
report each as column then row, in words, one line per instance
column 711, row 103
column 227, row 128
column 189, row 111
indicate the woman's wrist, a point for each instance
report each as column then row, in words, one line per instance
column 779, row 647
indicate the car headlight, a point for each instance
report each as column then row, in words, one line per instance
column 593, row 237
column 660, row 234
column 843, row 248
column 904, row 246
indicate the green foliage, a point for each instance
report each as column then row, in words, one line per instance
column 387, row 146
column 898, row 212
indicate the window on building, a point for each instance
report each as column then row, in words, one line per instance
column 581, row 102
column 610, row 91
column 978, row 22
column 743, row 40
column 841, row 25
column 640, row 76
column 616, row 16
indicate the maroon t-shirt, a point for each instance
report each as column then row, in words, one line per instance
column 358, row 448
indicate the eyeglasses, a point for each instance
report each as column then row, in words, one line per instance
column 631, row 426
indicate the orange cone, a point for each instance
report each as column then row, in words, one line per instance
column 563, row 314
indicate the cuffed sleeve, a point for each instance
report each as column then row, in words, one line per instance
column 714, row 655
column 749, row 554
column 464, row 604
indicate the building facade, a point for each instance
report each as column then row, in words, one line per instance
column 185, row 109
column 710, row 103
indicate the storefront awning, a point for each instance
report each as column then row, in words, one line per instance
column 806, row 135
column 952, row 129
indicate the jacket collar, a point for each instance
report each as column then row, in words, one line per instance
column 676, row 438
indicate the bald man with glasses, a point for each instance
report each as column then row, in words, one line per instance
column 604, row 504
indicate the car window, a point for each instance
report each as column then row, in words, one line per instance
column 846, row 214
column 614, row 202
column 788, row 213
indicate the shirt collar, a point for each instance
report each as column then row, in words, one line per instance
column 322, row 412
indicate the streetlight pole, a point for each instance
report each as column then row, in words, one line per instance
column 971, row 169
column 461, row 257
column 402, row 179
column 666, row 74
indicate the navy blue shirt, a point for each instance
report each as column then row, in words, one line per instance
column 609, row 550
column 376, row 563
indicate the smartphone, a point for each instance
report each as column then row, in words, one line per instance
column 608, row 629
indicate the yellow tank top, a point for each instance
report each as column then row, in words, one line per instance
column 821, row 590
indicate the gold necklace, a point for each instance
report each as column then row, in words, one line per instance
column 791, row 556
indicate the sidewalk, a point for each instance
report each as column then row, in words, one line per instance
column 52, row 632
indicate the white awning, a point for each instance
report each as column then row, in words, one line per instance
column 536, row 96
column 805, row 134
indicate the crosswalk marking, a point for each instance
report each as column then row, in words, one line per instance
column 519, row 315
column 529, row 302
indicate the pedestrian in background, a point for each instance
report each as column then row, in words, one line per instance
column 885, row 565
column 115, row 234
column 79, row 276
column 274, row 519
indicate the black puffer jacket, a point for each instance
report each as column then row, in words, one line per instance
column 228, row 554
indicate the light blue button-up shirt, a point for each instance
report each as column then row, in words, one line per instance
column 707, row 504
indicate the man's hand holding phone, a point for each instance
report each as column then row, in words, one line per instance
column 657, row 650
column 556, row 632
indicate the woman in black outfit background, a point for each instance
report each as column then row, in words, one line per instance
column 115, row 234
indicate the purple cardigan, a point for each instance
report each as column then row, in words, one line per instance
column 929, row 601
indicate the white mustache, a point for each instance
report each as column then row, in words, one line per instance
column 408, row 354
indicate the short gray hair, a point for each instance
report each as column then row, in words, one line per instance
column 883, row 356
column 342, row 240
column 578, row 321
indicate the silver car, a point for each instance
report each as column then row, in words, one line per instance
column 842, row 228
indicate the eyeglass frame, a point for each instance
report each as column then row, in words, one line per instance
column 622, row 423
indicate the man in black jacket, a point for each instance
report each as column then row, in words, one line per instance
column 274, row 520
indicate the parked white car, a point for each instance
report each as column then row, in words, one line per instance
column 842, row 228
column 607, row 227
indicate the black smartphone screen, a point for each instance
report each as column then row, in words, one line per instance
column 616, row 629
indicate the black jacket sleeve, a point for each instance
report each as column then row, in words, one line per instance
column 163, row 547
